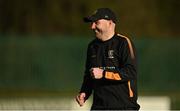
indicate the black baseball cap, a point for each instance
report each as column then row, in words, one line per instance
column 101, row 13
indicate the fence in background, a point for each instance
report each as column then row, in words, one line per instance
column 56, row 65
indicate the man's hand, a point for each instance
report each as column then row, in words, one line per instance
column 80, row 98
column 96, row 73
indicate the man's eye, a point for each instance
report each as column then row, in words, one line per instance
column 96, row 22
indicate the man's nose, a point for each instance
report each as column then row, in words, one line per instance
column 93, row 25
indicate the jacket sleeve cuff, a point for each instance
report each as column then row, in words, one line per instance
column 104, row 72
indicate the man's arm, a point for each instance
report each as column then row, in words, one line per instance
column 86, row 88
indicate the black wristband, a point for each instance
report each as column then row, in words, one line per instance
column 104, row 72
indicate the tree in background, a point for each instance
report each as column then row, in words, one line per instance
column 52, row 17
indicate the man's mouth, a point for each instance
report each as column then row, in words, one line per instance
column 96, row 30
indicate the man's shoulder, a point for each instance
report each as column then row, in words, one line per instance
column 94, row 41
column 121, row 37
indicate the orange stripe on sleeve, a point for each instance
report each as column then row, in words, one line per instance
column 112, row 76
column 130, row 90
column 129, row 44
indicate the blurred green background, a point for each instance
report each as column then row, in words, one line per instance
column 43, row 45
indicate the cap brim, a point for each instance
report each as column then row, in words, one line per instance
column 90, row 19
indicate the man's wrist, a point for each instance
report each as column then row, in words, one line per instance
column 104, row 72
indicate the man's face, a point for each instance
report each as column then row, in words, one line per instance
column 100, row 27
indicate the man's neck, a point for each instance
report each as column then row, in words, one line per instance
column 108, row 36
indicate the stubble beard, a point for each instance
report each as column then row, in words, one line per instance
column 98, row 33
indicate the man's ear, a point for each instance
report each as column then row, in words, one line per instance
column 110, row 21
